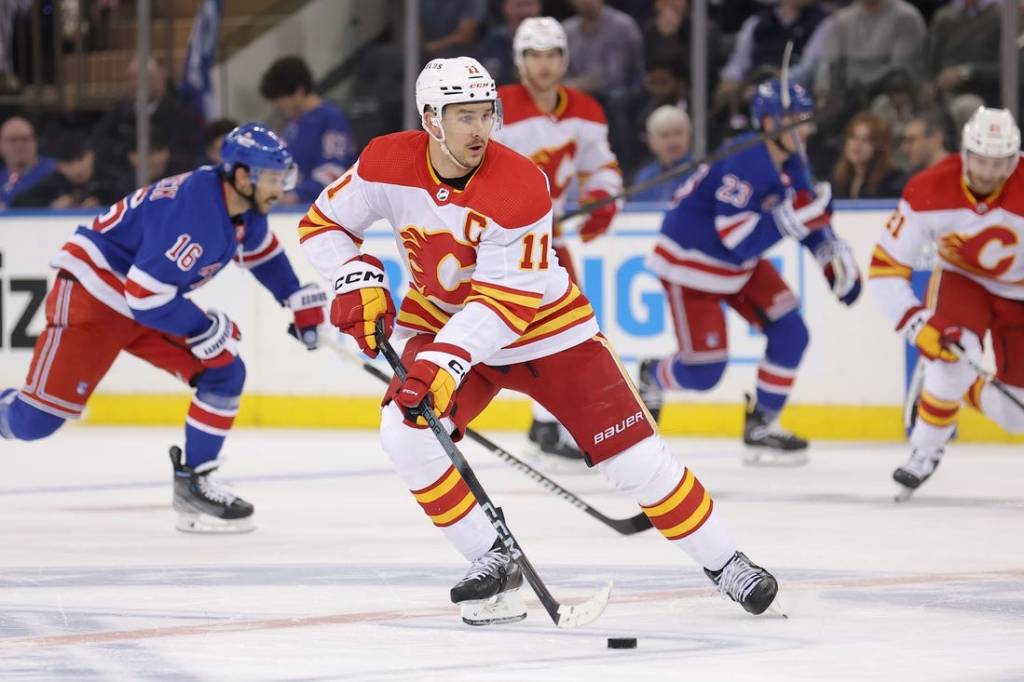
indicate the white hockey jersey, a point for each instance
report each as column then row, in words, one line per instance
column 483, row 274
column 982, row 240
column 572, row 141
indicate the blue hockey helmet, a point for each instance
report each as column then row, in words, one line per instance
column 258, row 148
column 768, row 101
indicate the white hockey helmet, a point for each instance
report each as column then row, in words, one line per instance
column 992, row 133
column 539, row 33
column 448, row 81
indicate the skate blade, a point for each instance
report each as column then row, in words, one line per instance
column 507, row 607
column 776, row 609
column 194, row 522
column 904, row 494
column 759, row 457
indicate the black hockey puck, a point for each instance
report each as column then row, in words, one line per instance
column 622, row 642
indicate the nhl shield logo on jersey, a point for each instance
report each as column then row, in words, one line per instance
column 990, row 253
column 443, row 194
column 441, row 265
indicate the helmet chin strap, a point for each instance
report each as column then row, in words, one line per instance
column 444, row 145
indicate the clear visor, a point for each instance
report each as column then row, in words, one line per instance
column 467, row 122
column 274, row 180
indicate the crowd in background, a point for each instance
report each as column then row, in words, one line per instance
column 894, row 82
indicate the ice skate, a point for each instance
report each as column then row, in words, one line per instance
column 205, row 506
column 554, row 447
column 917, row 470
column 489, row 593
column 652, row 395
column 768, row 444
column 746, row 583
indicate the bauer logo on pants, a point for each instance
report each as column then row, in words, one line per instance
column 629, row 421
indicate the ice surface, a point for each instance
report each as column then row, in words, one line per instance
column 344, row 578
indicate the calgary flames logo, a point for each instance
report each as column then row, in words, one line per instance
column 990, row 253
column 551, row 161
column 441, row 265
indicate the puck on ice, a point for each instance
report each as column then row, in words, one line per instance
column 622, row 642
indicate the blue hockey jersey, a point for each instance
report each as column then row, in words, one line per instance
column 322, row 145
column 722, row 222
column 154, row 246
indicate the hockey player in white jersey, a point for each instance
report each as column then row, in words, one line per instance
column 970, row 208
column 563, row 131
column 489, row 307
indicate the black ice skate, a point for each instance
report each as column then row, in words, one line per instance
column 917, row 470
column 652, row 395
column 556, row 446
column 205, row 506
column 768, row 443
column 489, row 593
column 745, row 583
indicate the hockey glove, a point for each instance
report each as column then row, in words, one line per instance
column 933, row 339
column 217, row 345
column 308, row 304
column 361, row 297
column 840, row 267
column 597, row 223
column 436, row 373
column 799, row 215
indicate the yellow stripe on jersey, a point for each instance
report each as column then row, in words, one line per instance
column 884, row 265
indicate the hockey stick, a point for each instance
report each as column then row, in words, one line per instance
column 959, row 351
column 563, row 616
column 838, row 267
column 634, row 524
column 722, row 153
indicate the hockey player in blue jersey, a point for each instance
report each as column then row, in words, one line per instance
column 122, row 285
column 710, row 252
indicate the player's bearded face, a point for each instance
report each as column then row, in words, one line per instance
column 467, row 129
column 985, row 173
column 270, row 187
column 544, row 68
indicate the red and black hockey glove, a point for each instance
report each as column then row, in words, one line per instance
column 598, row 222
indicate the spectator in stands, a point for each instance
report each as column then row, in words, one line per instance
column 23, row 167
column 963, row 50
column 114, row 135
column 762, row 42
column 450, row 29
column 317, row 132
column 495, row 51
column 669, row 136
column 865, row 169
column 71, row 185
column 213, row 137
column 121, row 181
column 605, row 50
column 667, row 36
column 924, row 140
column 868, row 39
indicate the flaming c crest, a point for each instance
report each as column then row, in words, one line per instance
column 550, row 161
column 988, row 253
column 441, row 265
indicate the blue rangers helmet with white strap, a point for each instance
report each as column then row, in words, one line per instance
column 768, row 101
column 256, row 147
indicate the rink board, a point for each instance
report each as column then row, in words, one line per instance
column 850, row 384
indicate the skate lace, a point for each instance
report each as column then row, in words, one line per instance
column 737, row 579
column 773, row 428
column 487, row 565
column 215, row 492
column 922, row 463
